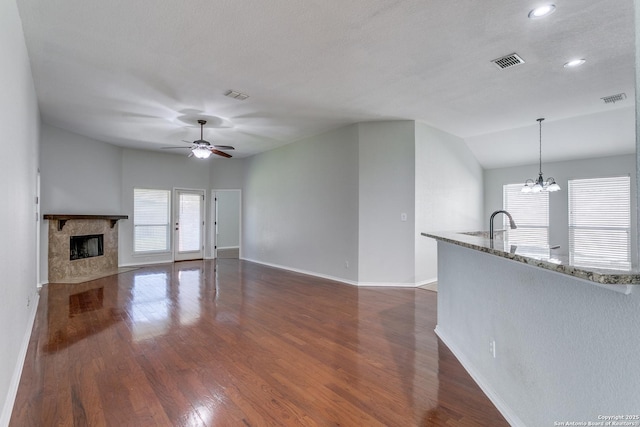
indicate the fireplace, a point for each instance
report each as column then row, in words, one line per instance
column 81, row 247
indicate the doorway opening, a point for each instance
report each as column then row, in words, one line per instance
column 227, row 206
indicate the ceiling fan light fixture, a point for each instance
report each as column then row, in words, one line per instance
column 201, row 152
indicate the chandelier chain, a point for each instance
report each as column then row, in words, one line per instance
column 540, row 144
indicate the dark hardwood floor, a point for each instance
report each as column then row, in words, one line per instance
column 232, row 343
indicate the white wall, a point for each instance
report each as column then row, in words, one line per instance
column 147, row 169
column 387, row 188
column 494, row 179
column 300, row 205
column 448, row 193
column 20, row 127
column 79, row 175
column 566, row 349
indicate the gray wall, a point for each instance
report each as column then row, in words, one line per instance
column 637, row 159
column 79, row 175
column 20, row 127
column 448, row 193
column 386, row 167
column 227, row 174
column 300, row 205
column 566, row 349
column 380, row 169
column 228, row 218
column 494, row 179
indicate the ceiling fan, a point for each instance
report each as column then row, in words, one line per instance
column 202, row 149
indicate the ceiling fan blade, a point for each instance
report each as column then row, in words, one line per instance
column 224, row 147
column 171, row 148
column 188, row 142
column 220, row 153
column 190, row 154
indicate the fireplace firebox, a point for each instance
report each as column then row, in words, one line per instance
column 89, row 246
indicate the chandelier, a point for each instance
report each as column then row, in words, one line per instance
column 531, row 186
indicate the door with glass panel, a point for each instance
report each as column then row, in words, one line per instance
column 188, row 223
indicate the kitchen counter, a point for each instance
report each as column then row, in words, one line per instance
column 545, row 339
column 547, row 258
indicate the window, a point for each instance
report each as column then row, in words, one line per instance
column 151, row 220
column 530, row 211
column 600, row 222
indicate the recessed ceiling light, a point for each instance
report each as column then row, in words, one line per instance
column 575, row 63
column 542, row 11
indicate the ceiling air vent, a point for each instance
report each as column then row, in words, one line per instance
column 508, row 61
column 236, row 95
column 612, row 99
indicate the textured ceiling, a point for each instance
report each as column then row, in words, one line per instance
column 140, row 73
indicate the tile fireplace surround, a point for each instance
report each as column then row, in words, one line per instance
column 61, row 228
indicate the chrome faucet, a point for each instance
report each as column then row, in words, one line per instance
column 511, row 221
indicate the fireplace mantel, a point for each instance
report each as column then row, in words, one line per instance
column 63, row 218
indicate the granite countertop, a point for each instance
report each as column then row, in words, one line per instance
column 548, row 258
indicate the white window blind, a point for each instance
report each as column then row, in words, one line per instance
column 151, row 220
column 530, row 211
column 600, row 222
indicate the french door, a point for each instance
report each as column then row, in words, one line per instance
column 188, row 225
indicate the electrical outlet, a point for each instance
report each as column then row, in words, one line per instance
column 492, row 348
column 403, row 217
column 346, row 264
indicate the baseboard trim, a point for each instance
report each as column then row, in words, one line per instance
column 142, row 264
column 228, row 247
column 307, row 272
column 334, row 278
column 7, row 409
column 482, row 382
column 426, row 282
column 386, row 285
